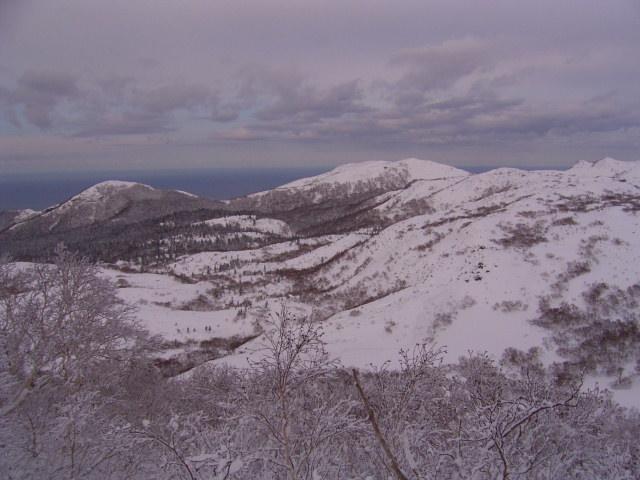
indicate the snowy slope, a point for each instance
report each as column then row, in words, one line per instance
column 11, row 217
column 607, row 167
column 245, row 223
column 466, row 262
column 348, row 183
column 110, row 201
column 467, row 272
column 409, row 169
column 103, row 190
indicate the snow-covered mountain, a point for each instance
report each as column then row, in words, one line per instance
column 351, row 183
column 110, row 201
column 11, row 217
column 388, row 254
column 398, row 174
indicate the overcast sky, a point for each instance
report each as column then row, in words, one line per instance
column 95, row 84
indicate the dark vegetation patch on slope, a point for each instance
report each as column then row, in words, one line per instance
column 197, row 352
column 602, row 337
column 149, row 242
column 590, row 202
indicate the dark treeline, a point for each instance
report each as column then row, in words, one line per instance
column 153, row 242
column 154, row 237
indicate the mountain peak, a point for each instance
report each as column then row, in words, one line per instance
column 606, row 167
column 112, row 201
column 427, row 169
column 409, row 169
column 106, row 188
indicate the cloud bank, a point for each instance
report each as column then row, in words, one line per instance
column 88, row 84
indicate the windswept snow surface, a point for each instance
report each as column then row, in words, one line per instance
column 412, row 168
column 407, row 170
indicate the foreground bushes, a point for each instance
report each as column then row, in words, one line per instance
column 293, row 414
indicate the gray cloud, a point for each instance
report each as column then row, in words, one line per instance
column 307, row 104
column 116, row 105
column 439, row 66
column 171, row 97
column 417, row 77
column 127, row 123
column 38, row 93
column 457, row 120
column 49, row 83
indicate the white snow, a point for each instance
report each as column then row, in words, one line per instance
column 182, row 192
column 410, row 169
column 99, row 190
column 25, row 215
column 441, row 279
column 607, row 167
column 158, row 298
column 251, row 223
column 437, row 273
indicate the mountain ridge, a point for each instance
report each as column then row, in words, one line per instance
column 504, row 259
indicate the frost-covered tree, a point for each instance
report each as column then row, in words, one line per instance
column 403, row 409
column 65, row 341
column 293, row 417
column 61, row 324
column 79, row 398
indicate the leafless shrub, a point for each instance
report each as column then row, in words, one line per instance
column 588, row 246
column 564, row 221
column 577, row 268
column 578, row 203
column 199, row 304
column 629, row 202
column 182, row 278
column 524, row 362
column 563, row 315
column 574, row 269
column 594, row 293
column 602, row 337
column 530, row 213
column 522, row 235
column 507, row 306
column 437, row 237
column 467, row 302
column 442, row 320
column 416, row 206
column 492, row 190
column 122, row 283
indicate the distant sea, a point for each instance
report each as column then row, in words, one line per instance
column 42, row 190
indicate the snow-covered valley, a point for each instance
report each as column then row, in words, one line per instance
column 422, row 253
column 408, row 302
